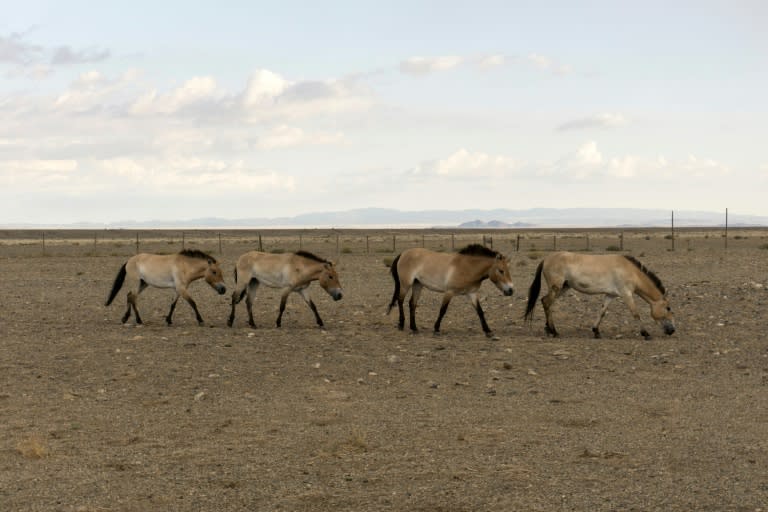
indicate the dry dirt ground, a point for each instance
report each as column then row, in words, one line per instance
column 95, row 416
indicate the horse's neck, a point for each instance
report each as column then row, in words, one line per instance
column 647, row 290
column 483, row 270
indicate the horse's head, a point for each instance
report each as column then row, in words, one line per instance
column 662, row 313
column 500, row 276
column 215, row 277
column 329, row 280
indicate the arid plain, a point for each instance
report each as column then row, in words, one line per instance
column 360, row 416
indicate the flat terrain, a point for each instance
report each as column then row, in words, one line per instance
column 95, row 416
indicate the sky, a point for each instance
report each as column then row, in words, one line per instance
column 170, row 110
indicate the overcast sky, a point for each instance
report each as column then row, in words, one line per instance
column 176, row 110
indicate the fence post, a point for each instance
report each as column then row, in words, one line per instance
column 621, row 241
column 301, row 242
column 183, row 240
column 43, row 243
column 367, row 248
column 137, row 242
column 554, row 242
column 726, row 228
column 394, row 244
column 220, row 244
column 423, row 242
column 673, row 230
column 261, row 246
column 453, row 243
column 517, row 244
column 587, row 241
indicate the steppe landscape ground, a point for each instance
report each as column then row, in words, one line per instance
column 359, row 416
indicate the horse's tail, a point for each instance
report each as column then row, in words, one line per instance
column 117, row 285
column 396, row 277
column 533, row 293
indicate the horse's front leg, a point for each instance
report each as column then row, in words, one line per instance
column 237, row 296
column 443, row 308
column 182, row 291
column 479, row 309
column 629, row 299
column 304, row 292
column 596, row 327
column 415, row 294
column 283, row 300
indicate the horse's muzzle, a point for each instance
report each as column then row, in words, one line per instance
column 509, row 291
column 336, row 295
column 221, row 289
column 669, row 328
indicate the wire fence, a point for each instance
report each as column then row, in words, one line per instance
column 330, row 243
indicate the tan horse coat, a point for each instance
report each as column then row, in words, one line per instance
column 612, row 275
column 452, row 274
column 174, row 271
column 291, row 272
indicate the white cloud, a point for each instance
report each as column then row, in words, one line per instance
column 177, row 175
column 39, row 172
column 603, row 120
column 491, row 61
column 466, row 164
column 64, row 55
column 426, row 65
column 548, row 64
column 195, row 91
column 285, row 136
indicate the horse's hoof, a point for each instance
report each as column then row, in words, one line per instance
column 436, row 333
column 596, row 332
column 646, row 335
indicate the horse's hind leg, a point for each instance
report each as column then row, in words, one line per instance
column 443, row 308
column 132, row 300
column 253, row 285
column 415, row 294
column 596, row 328
column 400, row 300
column 548, row 301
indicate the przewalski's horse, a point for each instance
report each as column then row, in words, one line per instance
column 612, row 275
column 175, row 271
column 459, row 273
column 292, row 272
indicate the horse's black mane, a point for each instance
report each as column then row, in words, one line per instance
column 478, row 250
column 197, row 253
column 310, row 256
column 645, row 270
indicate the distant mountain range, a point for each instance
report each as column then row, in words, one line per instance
column 483, row 219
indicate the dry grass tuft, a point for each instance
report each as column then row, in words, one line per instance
column 32, row 448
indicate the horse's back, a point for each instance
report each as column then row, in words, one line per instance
column 588, row 273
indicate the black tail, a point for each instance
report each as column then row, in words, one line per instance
column 117, row 285
column 396, row 277
column 533, row 293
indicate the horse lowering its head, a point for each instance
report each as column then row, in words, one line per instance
column 611, row 275
column 211, row 271
column 175, row 271
column 328, row 278
column 498, row 273
column 461, row 273
column 292, row 272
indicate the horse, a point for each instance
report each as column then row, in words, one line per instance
column 175, row 271
column 291, row 272
column 460, row 273
column 611, row 275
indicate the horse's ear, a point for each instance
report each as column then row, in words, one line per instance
column 210, row 261
column 328, row 265
column 499, row 256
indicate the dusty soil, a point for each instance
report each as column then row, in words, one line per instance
column 359, row 416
